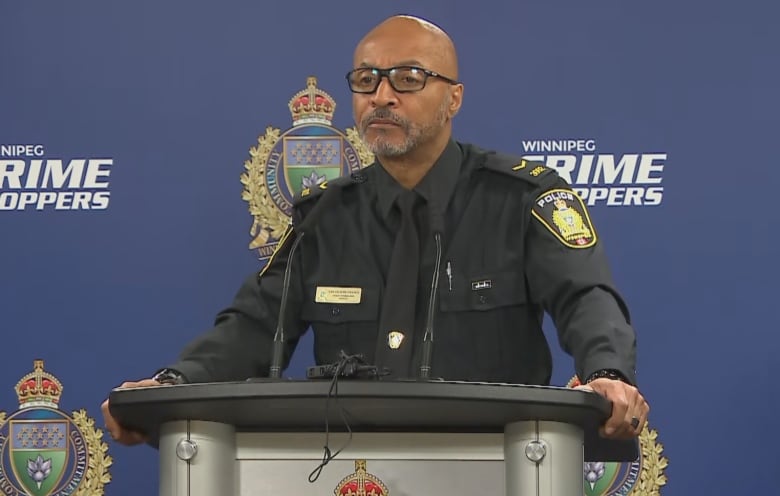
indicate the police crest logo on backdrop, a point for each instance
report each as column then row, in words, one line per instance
column 306, row 155
column 44, row 451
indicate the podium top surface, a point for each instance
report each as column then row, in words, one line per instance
column 264, row 405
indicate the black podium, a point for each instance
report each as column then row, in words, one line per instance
column 220, row 438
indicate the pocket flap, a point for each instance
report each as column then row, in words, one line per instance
column 483, row 292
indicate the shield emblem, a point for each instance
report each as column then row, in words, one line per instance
column 599, row 477
column 39, row 453
column 311, row 160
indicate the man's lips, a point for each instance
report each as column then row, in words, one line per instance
column 382, row 123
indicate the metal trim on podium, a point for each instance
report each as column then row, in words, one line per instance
column 548, row 432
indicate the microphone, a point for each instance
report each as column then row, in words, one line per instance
column 327, row 200
column 437, row 226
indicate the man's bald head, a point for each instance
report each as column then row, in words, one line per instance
column 419, row 40
column 406, row 124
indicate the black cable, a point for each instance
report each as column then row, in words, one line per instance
column 333, row 392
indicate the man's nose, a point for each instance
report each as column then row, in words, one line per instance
column 385, row 95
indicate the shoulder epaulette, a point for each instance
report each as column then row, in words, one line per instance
column 312, row 192
column 531, row 171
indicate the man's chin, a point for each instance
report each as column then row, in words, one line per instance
column 383, row 147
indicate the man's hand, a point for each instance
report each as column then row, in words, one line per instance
column 117, row 432
column 629, row 408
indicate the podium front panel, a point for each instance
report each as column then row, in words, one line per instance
column 403, row 464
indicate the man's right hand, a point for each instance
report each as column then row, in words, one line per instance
column 116, row 431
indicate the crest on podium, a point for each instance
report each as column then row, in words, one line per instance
column 361, row 483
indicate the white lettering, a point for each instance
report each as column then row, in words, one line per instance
column 597, row 194
column 608, row 171
column 653, row 196
column 621, row 197
column 94, row 170
column 647, row 166
column 564, row 145
column 615, row 196
column 586, row 164
column 21, row 150
column 52, row 173
column 55, row 175
column 27, row 198
column 46, row 198
column 33, row 174
column 100, row 200
column 633, row 196
column 11, row 172
column 56, row 200
column 582, row 193
column 81, row 200
column 63, row 201
column 563, row 164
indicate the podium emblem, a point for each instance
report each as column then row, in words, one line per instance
column 44, row 451
column 295, row 161
column 643, row 477
column 361, row 483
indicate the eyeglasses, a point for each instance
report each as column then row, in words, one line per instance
column 403, row 79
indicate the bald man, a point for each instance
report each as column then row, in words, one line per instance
column 504, row 239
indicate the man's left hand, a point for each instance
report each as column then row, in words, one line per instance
column 629, row 408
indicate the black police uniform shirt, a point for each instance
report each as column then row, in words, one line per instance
column 517, row 242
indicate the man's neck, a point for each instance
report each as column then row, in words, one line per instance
column 409, row 169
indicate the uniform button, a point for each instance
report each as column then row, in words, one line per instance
column 335, row 311
column 482, row 299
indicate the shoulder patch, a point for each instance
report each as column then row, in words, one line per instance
column 279, row 247
column 562, row 212
column 531, row 171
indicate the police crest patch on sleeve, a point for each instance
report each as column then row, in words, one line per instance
column 562, row 212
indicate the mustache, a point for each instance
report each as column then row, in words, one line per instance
column 385, row 114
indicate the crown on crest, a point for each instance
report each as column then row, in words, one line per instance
column 312, row 105
column 361, row 483
column 38, row 388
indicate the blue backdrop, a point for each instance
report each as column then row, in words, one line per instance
column 170, row 96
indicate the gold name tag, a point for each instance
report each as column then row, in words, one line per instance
column 336, row 294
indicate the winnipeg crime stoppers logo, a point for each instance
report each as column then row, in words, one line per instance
column 304, row 156
column 43, row 451
column 29, row 180
column 627, row 180
column 644, row 477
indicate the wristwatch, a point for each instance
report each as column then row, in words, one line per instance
column 607, row 374
column 169, row 376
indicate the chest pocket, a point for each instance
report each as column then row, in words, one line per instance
column 367, row 309
column 482, row 292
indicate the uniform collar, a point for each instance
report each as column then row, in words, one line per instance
column 437, row 187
